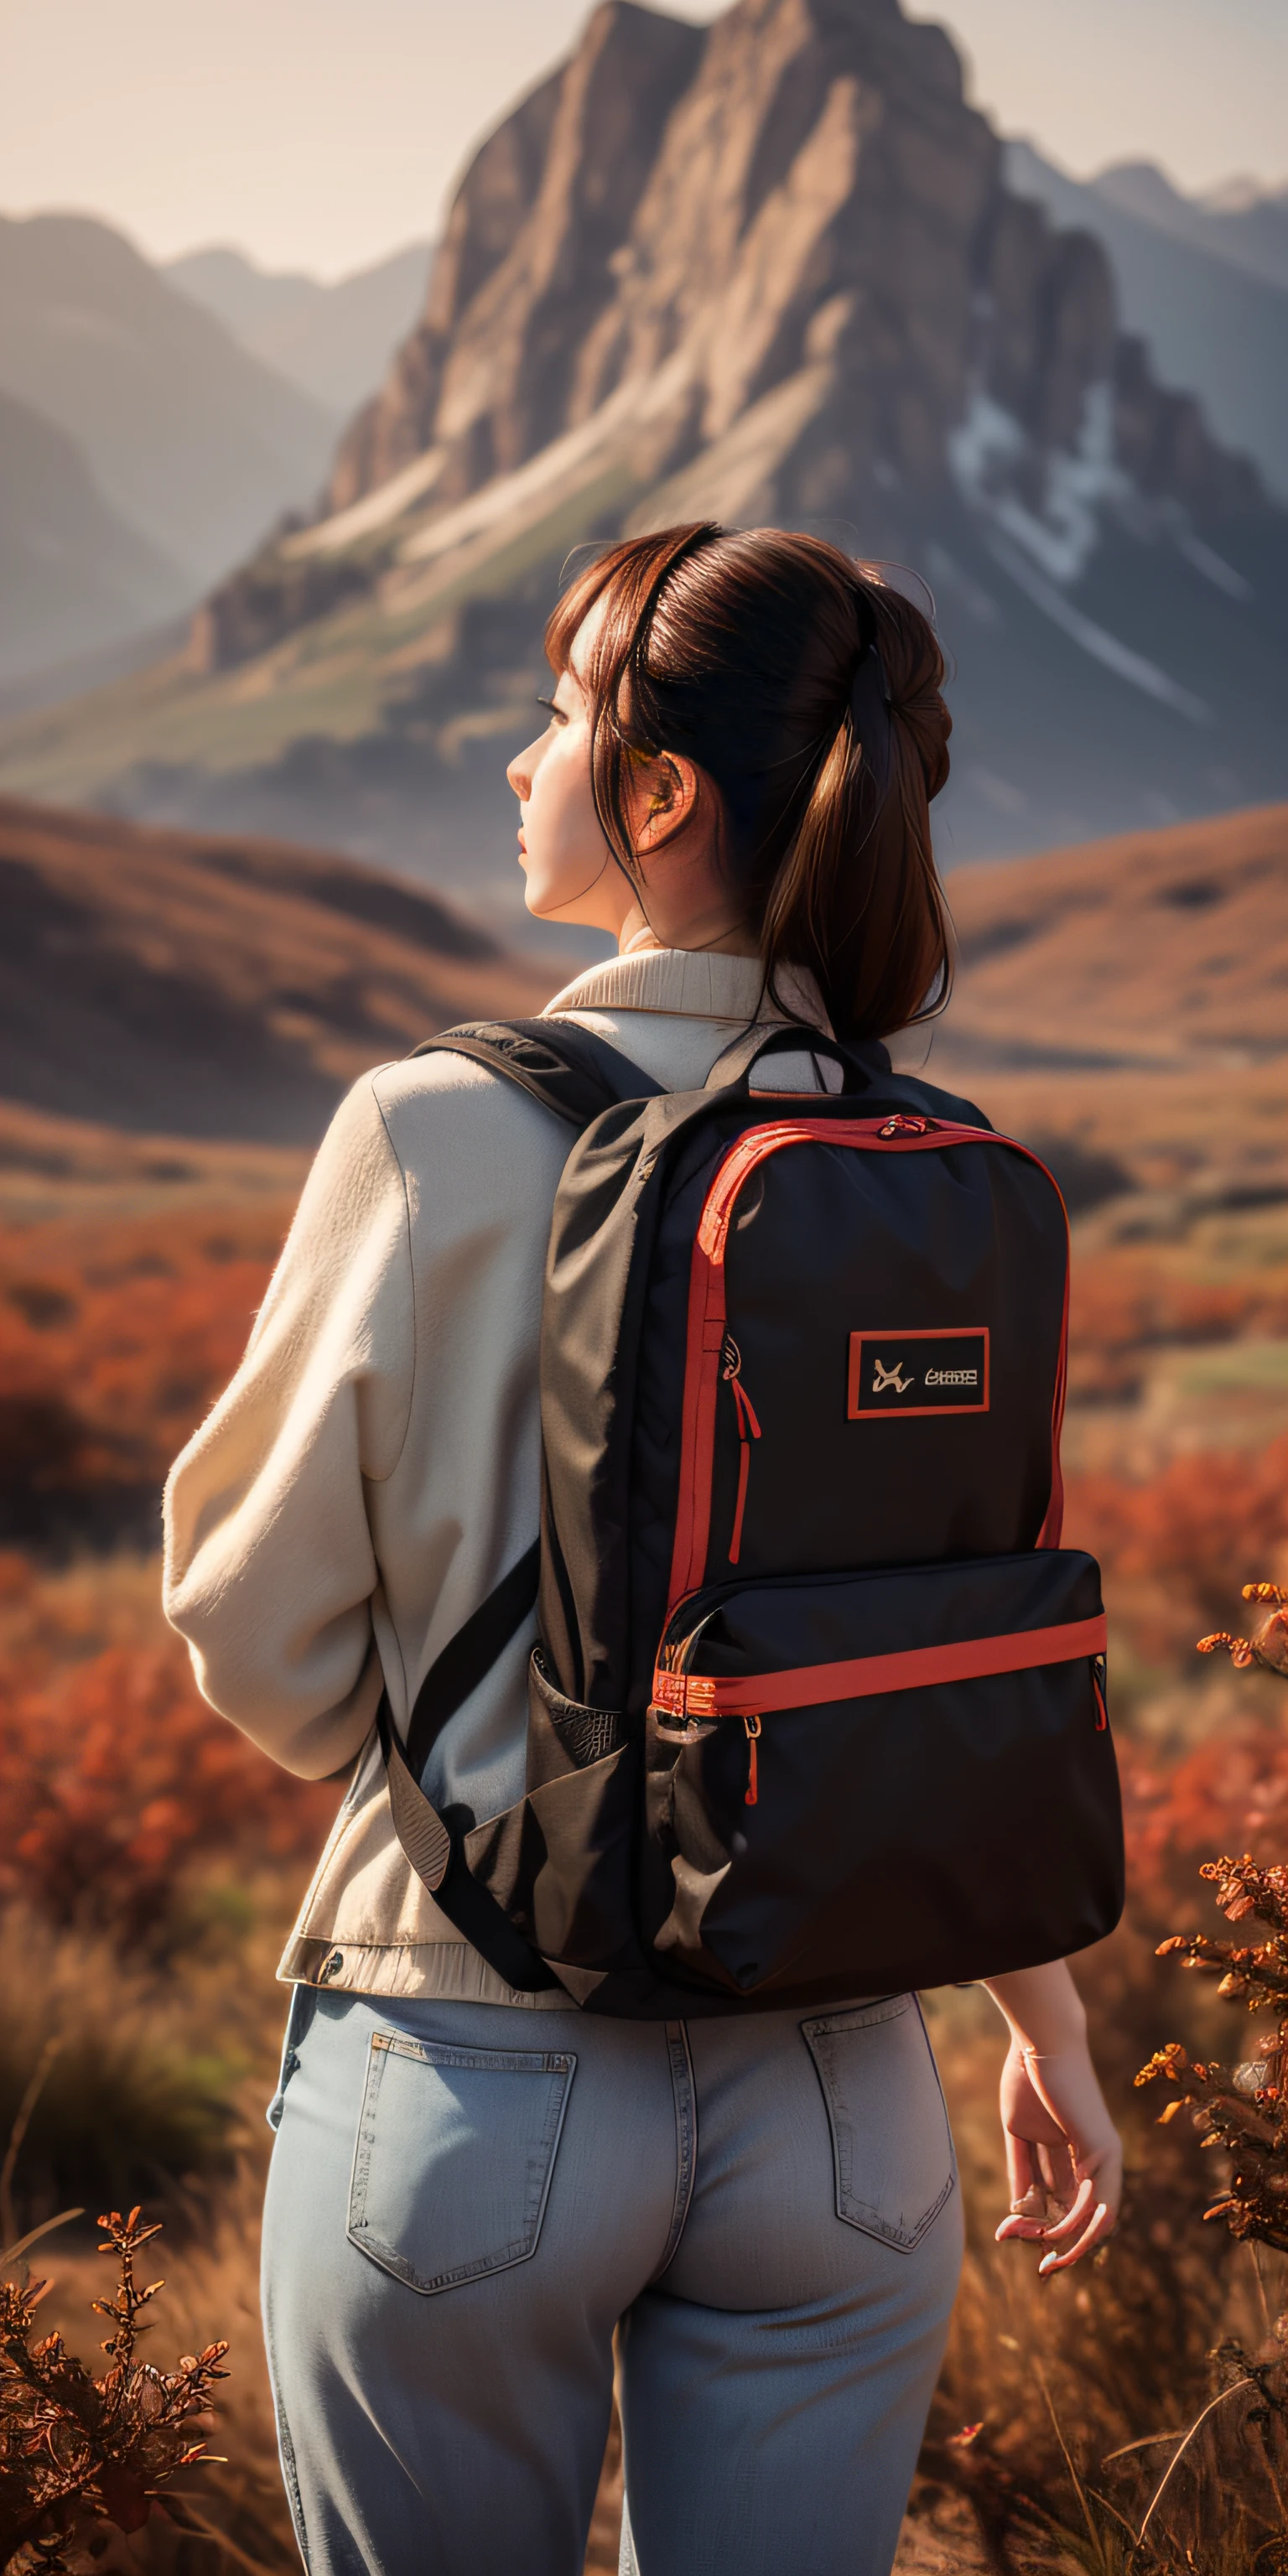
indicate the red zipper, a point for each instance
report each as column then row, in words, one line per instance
column 1098, row 1686
column 707, row 1323
column 748, row 1430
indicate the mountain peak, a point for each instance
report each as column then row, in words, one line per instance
column 677, row 185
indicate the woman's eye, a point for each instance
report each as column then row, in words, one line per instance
column 558, row 714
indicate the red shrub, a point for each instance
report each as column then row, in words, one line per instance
column 1126, row 1303
column 115, row 1337
column 1182, row 1542
column 114, row 1774
column 1230, row 1793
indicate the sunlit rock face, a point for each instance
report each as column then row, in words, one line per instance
column 528, row 263
column 797, row 196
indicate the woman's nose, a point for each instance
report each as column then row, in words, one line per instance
column 520, row 777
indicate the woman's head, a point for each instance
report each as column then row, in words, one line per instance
column 746, row 732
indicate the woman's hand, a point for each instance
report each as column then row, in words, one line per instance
column 1063, row 2154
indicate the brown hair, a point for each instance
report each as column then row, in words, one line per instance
column 808, row 692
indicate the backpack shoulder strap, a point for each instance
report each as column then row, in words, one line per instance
column 570, row 1070
column 425, row 1835
column 465, row 1661
column 577, row 1075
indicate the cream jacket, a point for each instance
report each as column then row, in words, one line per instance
column 374, row 1468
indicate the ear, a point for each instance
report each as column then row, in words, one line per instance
column 663, row 800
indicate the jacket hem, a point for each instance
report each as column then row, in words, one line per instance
column 446, row 1971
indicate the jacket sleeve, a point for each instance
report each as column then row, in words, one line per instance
column 269, row 1566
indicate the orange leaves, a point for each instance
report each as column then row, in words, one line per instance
column 1182, row 1540
column 114, row 1776
column 115, row 1337
column 1128, row 1302
column 75, row 2450
column 1268, row 1644
column 1231, row 1790
column 116, row 1334
column 1241, row 2110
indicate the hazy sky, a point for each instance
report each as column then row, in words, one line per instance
column 320, row 133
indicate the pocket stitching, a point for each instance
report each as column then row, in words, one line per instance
column 823, row 2028
column 541, row 2163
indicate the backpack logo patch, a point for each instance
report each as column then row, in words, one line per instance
column 884, row 1378
column 918, row 1371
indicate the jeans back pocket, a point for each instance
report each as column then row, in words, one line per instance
column 455, row 2156
column 892, row 2148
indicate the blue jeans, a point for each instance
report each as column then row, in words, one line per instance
column 465, row 2200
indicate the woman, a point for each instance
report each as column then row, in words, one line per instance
column 471, row 2187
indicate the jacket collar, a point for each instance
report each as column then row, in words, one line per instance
column 699, row 984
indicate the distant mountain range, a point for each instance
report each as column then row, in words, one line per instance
column 158, row 423
column 1240, row 223
column 334, row 342
column 196, row 442
column 184, row 450
column 1207, row 291
column 74, row 574
column 769, row 269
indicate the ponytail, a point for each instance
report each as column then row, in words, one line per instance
column 809, row 693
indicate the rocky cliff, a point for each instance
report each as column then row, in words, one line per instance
column 528, row 267
column 799, row 191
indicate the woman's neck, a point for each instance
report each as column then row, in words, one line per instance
column 636, row 937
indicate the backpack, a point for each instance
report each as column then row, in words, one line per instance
column 818, row 1706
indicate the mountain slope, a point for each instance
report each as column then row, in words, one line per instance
column 1147, row 950
column 196, row 443
column 769, row 270
column 1240, row 224
column 73, row 575
column 183, row 987
column 333, row 342
column 1122, row 1007
column 1212, row 326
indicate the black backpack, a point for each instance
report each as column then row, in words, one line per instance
column 818, row 1708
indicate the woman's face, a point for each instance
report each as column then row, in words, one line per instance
column 680, row 898
column 571, row 872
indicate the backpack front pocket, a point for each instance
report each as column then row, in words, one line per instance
column 880, row 1781
column 455, row 2157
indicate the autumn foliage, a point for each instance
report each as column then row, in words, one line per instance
column 115, row 1337
column 76, row 2449
column 1176, row 1545
column 1127, row 1304
column 1240, row 2109
column 114, row 1772
column 114, row 1775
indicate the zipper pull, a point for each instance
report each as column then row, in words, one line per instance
column 752, row 1725
column 748, row 1428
